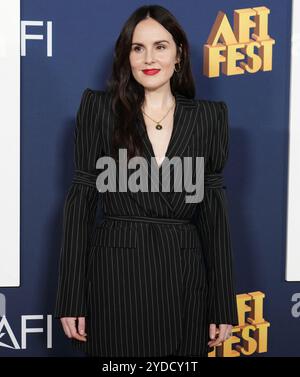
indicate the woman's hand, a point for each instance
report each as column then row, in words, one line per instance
column 70, row 329
column 224, row 332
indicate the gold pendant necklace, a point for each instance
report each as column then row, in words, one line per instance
column 158, row 125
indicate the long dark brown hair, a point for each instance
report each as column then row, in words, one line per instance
column 127, row 93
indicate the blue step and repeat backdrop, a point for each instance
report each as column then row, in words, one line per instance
column 74, row 51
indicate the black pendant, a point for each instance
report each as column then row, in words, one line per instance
column 158, row 127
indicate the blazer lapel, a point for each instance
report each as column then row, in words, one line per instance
column 183, row 127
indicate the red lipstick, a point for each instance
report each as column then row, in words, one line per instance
column 151, row 71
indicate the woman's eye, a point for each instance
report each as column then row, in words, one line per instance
column 160, row 47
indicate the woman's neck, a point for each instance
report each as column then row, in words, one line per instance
column 158, row 100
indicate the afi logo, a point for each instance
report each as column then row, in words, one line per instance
column 8, row 338
column 240, row 50
column 28, row 36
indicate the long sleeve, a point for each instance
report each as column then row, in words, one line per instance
column 78, row 213
column 214, row 228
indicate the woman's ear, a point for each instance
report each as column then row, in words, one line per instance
column 180, row 53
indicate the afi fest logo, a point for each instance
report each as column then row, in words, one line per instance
column 251, row 334
column 241, row 50
column 8, row 338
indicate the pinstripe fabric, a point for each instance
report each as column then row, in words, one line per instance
column 147, row 289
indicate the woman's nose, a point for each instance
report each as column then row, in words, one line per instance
column 149, row 56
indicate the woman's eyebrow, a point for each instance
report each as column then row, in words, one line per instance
column 155, row 43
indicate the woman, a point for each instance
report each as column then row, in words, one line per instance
column 155, row 277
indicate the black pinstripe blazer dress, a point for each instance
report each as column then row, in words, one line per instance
column 147, row 288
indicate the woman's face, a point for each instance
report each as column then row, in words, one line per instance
column 152, row 47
